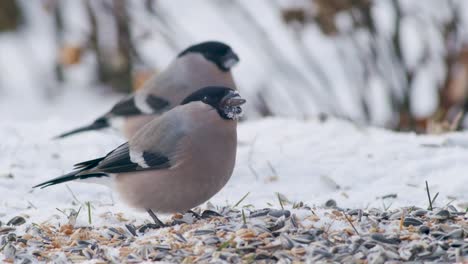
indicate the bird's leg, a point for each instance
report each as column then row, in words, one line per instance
column 155, row 218
column 197, row 216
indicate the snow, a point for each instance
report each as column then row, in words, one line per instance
column 312, row 159
column 303, row 160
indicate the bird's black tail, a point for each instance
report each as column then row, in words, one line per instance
column 64, row 178
column 75, row 175
column 96, row 125
column 69, row 177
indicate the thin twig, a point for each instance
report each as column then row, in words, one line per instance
column 88, row 204
column 249, row 159
column 435, row 197
column 69, row 215
column 429, row 196
column 62, row 212
column 224, row 245
column 385, row 207
column 402, row 219
column 273, row 170
column 280, row 200
column 242, row 199
column 155, row 218
column 32, row 205
column 329, row 226
column 451, row 201
column 243, row 217
column 74, row 196
column 351, row 223
column 455, row 124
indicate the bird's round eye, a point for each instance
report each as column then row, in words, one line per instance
column 205, row 98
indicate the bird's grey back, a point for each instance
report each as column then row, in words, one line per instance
column 161, row 135
column 184, row 76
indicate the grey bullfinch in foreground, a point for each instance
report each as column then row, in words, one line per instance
column 177, row 161
column 204, row 64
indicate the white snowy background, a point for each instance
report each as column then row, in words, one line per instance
column 294, row 154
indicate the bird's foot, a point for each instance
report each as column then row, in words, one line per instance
column 194, row 214
column 155, row 218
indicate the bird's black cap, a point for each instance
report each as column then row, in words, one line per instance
column 217, row 52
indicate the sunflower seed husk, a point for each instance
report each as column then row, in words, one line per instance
column 16, row 221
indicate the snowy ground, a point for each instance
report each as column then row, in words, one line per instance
column 304, row 160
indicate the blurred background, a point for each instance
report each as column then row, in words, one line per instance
column 401, row 65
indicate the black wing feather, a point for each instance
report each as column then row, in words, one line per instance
column 74, row 175
column 155, row 160
column 100, row 123
column 127, row 106
column 157, row 103
column 88, row 164
column 117, row 161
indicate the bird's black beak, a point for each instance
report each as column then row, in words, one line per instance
column 232, row 99
column 230, row 60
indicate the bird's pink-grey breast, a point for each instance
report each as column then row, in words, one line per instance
column 178, row 160
column 204, row 64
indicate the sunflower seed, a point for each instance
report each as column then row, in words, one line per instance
column 259, row 213
column 201, row 232
column 88, row 253
column 409, row 221
column 322, row 253
column 162, row 247
column 277, row 225
column 212, row 240
column 287, row 242
column 424, row 229
column 442, row 215
column 132, row 229
column 6, row 230
column 381, row 238
column 419, row 212
column 304, row 239
column 145, row 227
column 279, row 213
column 209, row 213
column 456, row 234
column 16, row 221
column 330, row 203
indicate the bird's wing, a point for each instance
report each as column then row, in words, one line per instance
column 123, row 160
column 154, row 147
column 158, row 145
column 139, row 103
column 117, row 161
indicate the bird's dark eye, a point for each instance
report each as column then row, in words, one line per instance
column 205, row 98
